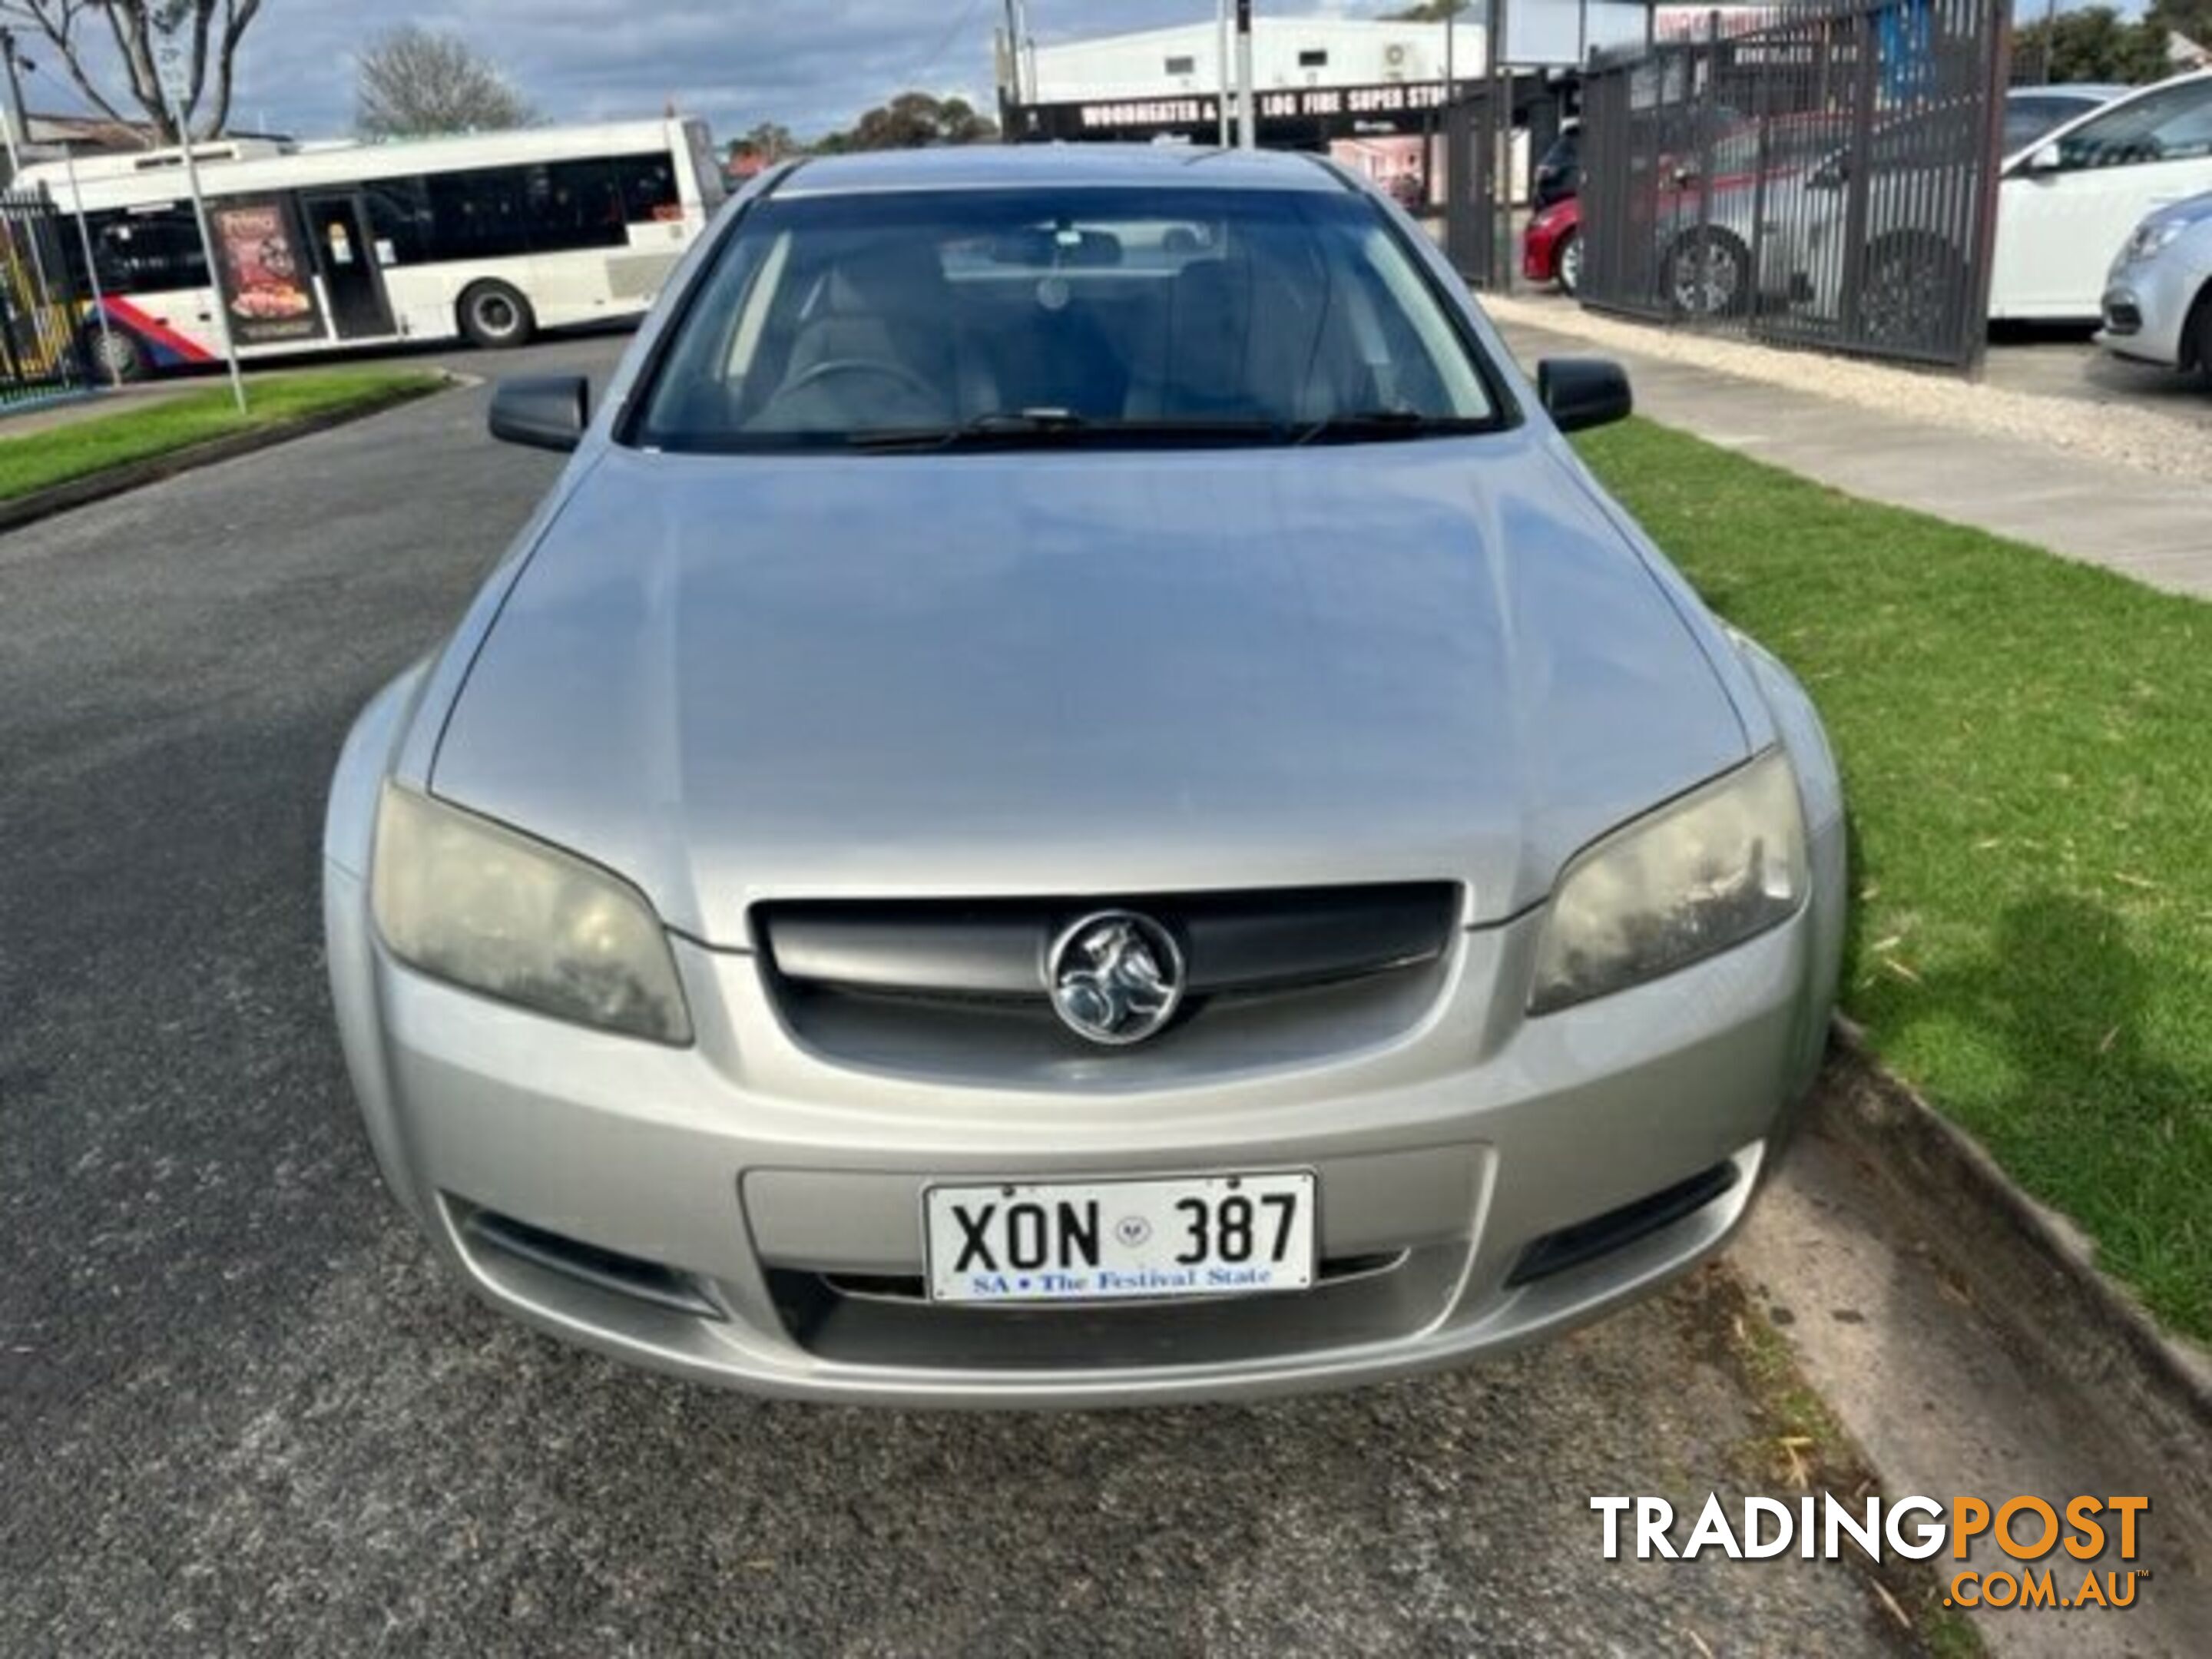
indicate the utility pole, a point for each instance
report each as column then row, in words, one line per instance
column 169, row 61
column 1502, row 87
column 1451, row 44
column 1247, row 108
column 1221, row 66
column 1014, row 58
column 18, row 123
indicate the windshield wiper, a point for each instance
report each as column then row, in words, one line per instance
column 994, row 426
column 1386, row 423
column 1001, row 428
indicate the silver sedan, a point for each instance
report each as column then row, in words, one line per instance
column 2158, row 297
column 1076, row 798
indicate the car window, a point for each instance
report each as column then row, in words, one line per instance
column 1227, row 315
column 1780, row 146
column 2026, row 120
column 2173, row 124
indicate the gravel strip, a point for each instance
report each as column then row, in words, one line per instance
column 2141, row 439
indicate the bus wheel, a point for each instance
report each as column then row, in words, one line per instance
column 115, row 354
column 493, row 315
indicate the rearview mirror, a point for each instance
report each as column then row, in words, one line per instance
column 1580, row 392
column 2044, row 159
column 546, row 411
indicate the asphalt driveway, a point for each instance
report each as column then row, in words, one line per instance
column 239, row 1412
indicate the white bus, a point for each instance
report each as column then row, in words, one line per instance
column 323, row 246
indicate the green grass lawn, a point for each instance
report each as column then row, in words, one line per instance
column 2028, row 747
column 134, row 431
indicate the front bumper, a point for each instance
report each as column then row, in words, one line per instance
column 1539, row 255
column 2145, row 310
column 762, row 1181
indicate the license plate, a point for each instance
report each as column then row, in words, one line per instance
column 1120, row 1240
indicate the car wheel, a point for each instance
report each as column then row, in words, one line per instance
column 1908, row 288
column 496, row 317
column 115, row 354
column 2198, row 342
column 1708, row 276
column 1569, row 264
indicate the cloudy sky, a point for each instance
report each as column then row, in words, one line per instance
column 812, row 64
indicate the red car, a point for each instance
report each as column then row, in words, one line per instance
column 1552, row 246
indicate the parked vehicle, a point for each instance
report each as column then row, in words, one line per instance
column 1910, row 254
column 1552, row 246
column 335, row 247
column 2158, row 295
column 2034, row 112
column 1075, row 798
column 1705, row 268
column 2065, row 206
column 1558, row 174
column 1789, row 214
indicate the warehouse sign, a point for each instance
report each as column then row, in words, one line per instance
column 1396, row 98
column 1343, row 109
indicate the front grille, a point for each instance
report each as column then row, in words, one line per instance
column 870, row 1321
column 1231, row 942
column 903, row 983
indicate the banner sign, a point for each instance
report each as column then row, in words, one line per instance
column 265, row 286
column 1394, row 105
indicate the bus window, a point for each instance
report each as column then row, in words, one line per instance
column 481, row 213
column 147, row 250
column 582, row 208
column 399, row 214
column 648, row 188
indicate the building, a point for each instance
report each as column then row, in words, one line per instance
column 1318, row 79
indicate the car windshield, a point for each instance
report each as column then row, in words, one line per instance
column 2173, row 124
column 884, row 321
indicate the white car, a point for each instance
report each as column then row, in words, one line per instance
column 2065, row 208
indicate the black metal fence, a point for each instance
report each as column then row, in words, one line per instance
column 1471, row 218
column 1821, row 177
column 40, row 350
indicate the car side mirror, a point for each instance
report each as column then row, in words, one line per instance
column 2044, row 158
column 546, row 411
column 1580, row 392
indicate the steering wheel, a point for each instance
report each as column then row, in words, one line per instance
column 847, row 366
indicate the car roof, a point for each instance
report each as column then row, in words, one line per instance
column 2073, row 124
column 2092, row 92
column 999, row 166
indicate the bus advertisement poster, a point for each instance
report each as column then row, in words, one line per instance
column 264, row 283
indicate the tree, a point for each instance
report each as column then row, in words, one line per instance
column 767, row 143
column 1429, row 11
column 107, row 48
column 914, row 120
column 2093, row 44
column 2190, row 19
column 413, row 81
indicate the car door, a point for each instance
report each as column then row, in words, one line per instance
column 2065, row 209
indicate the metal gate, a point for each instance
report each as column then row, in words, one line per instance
column 1822, row 177
column 41, row 356
column 1471, row 219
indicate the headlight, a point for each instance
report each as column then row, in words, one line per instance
column 2152, row 236
column 471, row 901
column 1700, row 874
